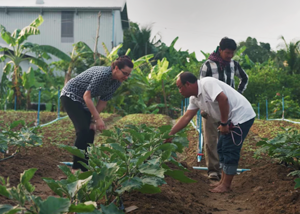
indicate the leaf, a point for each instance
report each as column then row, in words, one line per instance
column 118, row 147
column 165, row 128
column 179, row 175
column 40, row 64
column 81, row 208
column 107, row 133
column 25, row 178
column 53, row 205
column 74, row 187
column 7, row 68
column 14, row 124
column 143, row 158
column 136, row 135
column 149, row 189
column 130, row 184
column 297, row 181
column 152, row 170
column 66, row 170
column 155, row 181
column 5, row 208
column 85, row 175
column 261, row 143
column 178, row 165
column 55, row 52
column 111, row 209
column 4, row 192
column 6, row 36
column 73, row 150
column 54, row 186
column 180, row 142
column 2, row 58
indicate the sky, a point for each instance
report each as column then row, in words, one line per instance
column 201, row 24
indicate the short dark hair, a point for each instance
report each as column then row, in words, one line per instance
column 121, row 62
column 187, row 77
column 227, row 43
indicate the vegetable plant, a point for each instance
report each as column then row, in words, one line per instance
column 286, row 148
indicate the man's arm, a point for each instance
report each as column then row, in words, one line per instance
column 241, row 74
column 224, row 110
column 223, row 106
column 183, row 121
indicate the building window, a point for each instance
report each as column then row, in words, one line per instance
column 67, row 27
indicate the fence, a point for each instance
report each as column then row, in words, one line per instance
column 39, row 108
column 267, row 112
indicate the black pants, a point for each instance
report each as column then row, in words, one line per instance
column 81, row 119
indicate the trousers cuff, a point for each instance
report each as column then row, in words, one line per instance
column 230, row 169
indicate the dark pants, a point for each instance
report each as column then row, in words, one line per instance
column 81, row 119
column 229, row 147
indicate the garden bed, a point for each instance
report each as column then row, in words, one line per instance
column 265, row 189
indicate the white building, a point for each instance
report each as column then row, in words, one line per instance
column 67, row 22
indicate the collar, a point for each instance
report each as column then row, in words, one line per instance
column 199, row 88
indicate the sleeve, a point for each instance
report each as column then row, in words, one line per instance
column 98, row 79
column 241, row 74
column 205, row 70
column 212, row 88
column 192, row 105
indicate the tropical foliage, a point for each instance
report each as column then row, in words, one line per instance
column 19, row 51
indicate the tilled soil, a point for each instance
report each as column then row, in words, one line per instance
column 265, row 189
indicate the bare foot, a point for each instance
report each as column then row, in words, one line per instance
column 74, row 170
column 220, row 189
column 215, row 184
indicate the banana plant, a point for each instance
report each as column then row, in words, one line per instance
column 80, row 50
column 158, row 79
column 29, row 82
column 20, row 51
column 112, row 55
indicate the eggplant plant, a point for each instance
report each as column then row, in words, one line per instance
column 25, row 137
column 286, row 148
column 132, row 158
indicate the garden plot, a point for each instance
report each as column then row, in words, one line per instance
column 265, row 189
column 29, row 117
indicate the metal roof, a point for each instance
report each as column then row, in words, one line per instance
column 86, row 4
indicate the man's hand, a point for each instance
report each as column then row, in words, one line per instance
column 224, row 129
column 204, row 114
column 100, row 124
column 169, row 140
column 93, row 126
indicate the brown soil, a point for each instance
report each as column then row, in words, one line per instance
column 265, row 189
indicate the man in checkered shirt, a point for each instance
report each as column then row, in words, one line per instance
column 220, row 66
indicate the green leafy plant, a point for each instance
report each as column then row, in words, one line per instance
column 25, row 137
column 132, row 158
column 28, row 203
column 291, row 108
column 19, row 50
column 286, row 148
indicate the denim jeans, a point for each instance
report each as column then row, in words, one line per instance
column 81, row 120
column 229, row 147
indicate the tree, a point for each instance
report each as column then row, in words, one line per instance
column 80, row 51
column 256, row 52
column 139, row 41
column 21, row 51
column 290, row 54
